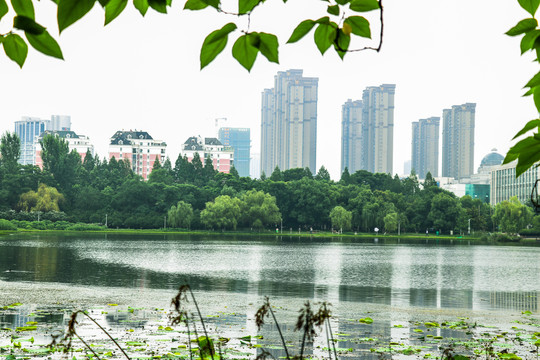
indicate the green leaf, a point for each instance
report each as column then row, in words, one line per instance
column 3, row 8
column 244, row 50
column 341, row 43
column 324, row 36
column 301, row 30
column 113, row 9
column 45, row 44
column 158, row 5
column 359, row 26
column 528, row 127
column 24, row 8
column 333, row 9
column 528, row 40
column 522, row 27
column 103, row 3
column 214, row 44
column 323, row 20
column 268, row 46
column 28, row 25
column 141, row 5
column 535, row 81
column 528, row 157
column 536, row 97
column 15, row 48
column 195, row 5
column 343, row 2
column 364, row 5
column 529, row 5
column 245, row 6
column 69, row 11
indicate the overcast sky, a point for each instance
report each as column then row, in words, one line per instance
column 143, row 73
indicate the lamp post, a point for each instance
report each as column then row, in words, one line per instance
column 469, row 231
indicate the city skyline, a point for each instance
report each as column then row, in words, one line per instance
column 165, row 92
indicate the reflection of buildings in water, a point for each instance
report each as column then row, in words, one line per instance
column 401, row 276
column 516, row 300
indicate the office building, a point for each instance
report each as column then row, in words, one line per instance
column 289, row 123
column 378, row 128
column 458, row 141
column 425, row 147
column 222, row 156
column 505, row 185
column 28, row 128
column 80, row 143
column 139, row 148
column 351, row 136
column 240, row 140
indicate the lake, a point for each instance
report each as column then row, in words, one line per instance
column 358, row 277
column 438, row 275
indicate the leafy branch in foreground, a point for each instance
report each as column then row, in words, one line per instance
column 527, row 151
column 247, row 46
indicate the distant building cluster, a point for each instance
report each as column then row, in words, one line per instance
column 289, row 140
column 367, row 131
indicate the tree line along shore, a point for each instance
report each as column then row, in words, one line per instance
column 70, row 194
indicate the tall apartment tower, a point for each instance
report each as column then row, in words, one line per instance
column 29, row 128
column 425, row 147
column 458, row 141
column 351, row 136
column 377, row 147
column 240, row 140
column 289, row 122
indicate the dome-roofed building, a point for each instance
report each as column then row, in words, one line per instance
column 492, row 159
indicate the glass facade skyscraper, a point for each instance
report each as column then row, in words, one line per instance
column 240, row 140
column 28, row 128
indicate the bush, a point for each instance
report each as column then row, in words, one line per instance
column 7, row 225
column 530, row 232
column 84, row 227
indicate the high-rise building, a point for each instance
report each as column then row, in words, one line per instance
column 289, row 123
column 222, row 156
column 240, row 140
column 139, row 148
column 425, row 147
column 378, row 128
column 458, row 141
column 351, row 136
column 28, row 128
column 80, row 143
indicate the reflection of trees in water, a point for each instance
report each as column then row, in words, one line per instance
column 136, row 320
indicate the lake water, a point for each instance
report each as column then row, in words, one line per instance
column 416, row 274
column 445, row 278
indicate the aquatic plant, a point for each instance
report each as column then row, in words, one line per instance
column 67, row 340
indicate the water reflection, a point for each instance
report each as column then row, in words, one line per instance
column 443, row 275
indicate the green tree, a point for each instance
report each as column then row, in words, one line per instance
column 429, row 181
column 341, row 218
column 445, row 212
column 180, row 215
column 10, row 151
column 222, row 213
column 277, row 175
column 45, row 199
column 391, row 222
column 322, row 174
column 511, row 216
column 59, row 162
column 259, row 209
column 345, row 176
